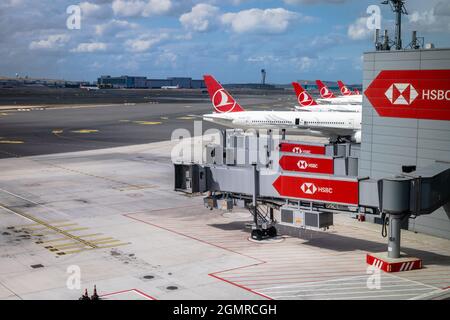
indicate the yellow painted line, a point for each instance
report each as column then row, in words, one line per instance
column 100, row 242
column 101, row 239
column 69, row 245
column 89, row 235
column 37, row 220
column 3, row 114
column 164, row 118
column 55, row 225
column 11, row 142
column 47, row 232
column 85, row 131
column 57, row 131
column 54, row 240
column 103, row 247
column 185, row 118
column 148, row 122
column 38, row 224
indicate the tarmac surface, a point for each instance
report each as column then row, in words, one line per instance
column 86, row 198
column 110, row 218
column 43, row 129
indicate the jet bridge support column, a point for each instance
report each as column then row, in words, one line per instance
column 394, row 236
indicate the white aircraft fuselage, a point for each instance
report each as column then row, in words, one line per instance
column 330, row 124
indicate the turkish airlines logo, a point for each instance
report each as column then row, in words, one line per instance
column 308, row 188
column 222, row 102
column 304, row 99
column 401, row 93
column 345, row 91
column 324, row 92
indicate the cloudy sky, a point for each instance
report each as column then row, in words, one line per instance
column 232, row 39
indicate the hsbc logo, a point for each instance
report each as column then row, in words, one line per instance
column 311, row 188
column 308, row 188
column 401, row 93
column 302, row 164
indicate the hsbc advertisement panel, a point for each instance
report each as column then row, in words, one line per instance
column 327, row 190
column 416, row 94
column 301, row 148
column 307, row 164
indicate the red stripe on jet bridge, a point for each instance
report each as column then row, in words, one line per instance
column 301, row 148
column 326, row 190
column 307, row 164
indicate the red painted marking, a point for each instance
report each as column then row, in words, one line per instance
column 417, row 94
column 214, row 274
column 301, row 148
column 129, row 290
column 307, row 164
column 330, row 190
column 393, row 266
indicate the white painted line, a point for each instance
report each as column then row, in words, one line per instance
column 347, row 293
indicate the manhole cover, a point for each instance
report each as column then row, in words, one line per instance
column 148, row 277
column 172, row 288
column 35, row 266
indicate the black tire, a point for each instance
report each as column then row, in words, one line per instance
column 272, row 232
column 257, row 235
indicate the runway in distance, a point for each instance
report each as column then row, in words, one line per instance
column 307, row 103
column 337, row 126
column 328, row 96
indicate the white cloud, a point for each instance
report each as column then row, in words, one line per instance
column 144, row 44
column 436, row 19
column 258, row 20
column 89, row 47
column 52, row 42
column 111, row 27
column 358, row 30
column 135, row 8
column 293, row 2
column 89, row 9
column 201, row 18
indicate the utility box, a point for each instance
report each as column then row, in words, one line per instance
column 302, row 218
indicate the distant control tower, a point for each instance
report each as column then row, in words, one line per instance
column 263, row 76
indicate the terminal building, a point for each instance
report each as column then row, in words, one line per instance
column 134, row 82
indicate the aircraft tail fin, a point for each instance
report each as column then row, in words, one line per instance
column 324, row 91
column 303, row 97
column 344, row 90
column 221, row 100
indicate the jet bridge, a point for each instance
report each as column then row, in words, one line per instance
column 266, row 175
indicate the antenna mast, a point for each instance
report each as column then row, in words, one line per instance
column 398, row 6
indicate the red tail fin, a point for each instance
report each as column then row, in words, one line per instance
column 324, row 91
column 344, row 90
column 221, row 100
column 303, row 97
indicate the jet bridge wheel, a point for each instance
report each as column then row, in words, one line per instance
column 257, row 234
column 272, row 232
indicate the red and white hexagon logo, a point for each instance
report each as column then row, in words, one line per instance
column 297, row 150
column 401, row 93
column 302, row 164
column 308, row 188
